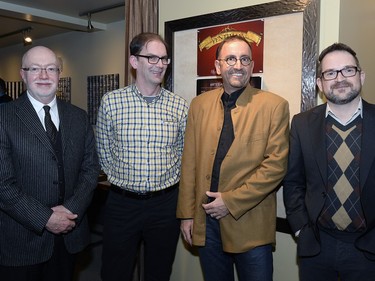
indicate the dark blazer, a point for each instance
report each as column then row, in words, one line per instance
column 29, row 180
column 306, row 179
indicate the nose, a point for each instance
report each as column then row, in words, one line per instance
column 43, row 72
column 238, row 64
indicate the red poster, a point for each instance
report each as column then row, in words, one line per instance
column 210, row 38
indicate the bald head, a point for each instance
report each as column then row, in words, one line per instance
column 40, row 53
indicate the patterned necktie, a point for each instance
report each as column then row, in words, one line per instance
column 50, row 127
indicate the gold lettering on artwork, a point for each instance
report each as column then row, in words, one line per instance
column 249, row 36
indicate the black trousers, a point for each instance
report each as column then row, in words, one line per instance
column 337, row 260
column 128, row 221
column 60, row 267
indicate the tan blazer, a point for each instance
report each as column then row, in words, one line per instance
column 251, row 171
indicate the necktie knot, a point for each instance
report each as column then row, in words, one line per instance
column 50, row 127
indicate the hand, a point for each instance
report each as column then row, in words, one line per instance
column 61, row 221
column 187, row 230
column 216, row 209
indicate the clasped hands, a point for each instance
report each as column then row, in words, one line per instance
column 61, row 221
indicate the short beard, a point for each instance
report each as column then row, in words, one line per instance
column 340, row 101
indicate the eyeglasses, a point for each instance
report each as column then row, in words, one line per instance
column 348, row 71
column 155, row 59
column 37, row 70
column 245, row 61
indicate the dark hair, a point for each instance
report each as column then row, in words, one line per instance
column 142, row 39
column 3, row 86
column 230, row 39
column 333, row 48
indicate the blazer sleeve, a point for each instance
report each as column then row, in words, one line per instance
column 294, row 184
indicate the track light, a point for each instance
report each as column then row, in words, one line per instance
column 90, row 27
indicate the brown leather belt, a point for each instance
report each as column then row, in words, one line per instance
column 142, row 195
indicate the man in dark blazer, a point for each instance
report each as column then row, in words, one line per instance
column 3, row 92
column 46, row 182
column 329, row 189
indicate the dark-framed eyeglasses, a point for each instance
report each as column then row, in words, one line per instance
column 245, row 61
column 51, row 70
column 155, row 59
column 348, row 71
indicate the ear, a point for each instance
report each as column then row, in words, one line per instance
column 319, row 84
column 217, row 67
column 133, row 60
column 22, row 73
column 362, row 76
column 252, row 66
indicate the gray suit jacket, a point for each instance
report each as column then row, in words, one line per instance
column 29, row 180
column 306, row 179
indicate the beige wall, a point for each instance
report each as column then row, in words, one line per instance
column 357, row 27
column 186, row 266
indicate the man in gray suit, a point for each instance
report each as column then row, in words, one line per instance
column 48, row 173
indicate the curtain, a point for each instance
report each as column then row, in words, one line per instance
column 140, row 16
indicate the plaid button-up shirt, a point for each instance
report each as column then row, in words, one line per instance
column 139, row 143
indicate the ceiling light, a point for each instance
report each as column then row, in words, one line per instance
column 27, row 40
column 25, row 35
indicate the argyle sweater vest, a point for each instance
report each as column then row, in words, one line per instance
column 342, row 210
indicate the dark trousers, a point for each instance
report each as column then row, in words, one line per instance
column 60, row 267
column 253, row 265
column 337, row 259
column 129, row 221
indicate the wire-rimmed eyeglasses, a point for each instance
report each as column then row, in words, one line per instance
column 245, row 61
column 348, row 71
column 155, row 59
column 52, row 70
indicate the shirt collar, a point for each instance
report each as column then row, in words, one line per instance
column 357, row 112
column 38, row 106
column 138, row 93
column 230, row 100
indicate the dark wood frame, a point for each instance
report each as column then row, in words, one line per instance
column 310, row 10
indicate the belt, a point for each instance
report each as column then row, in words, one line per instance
column 142, row 195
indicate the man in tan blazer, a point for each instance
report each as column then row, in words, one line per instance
column 235, row 156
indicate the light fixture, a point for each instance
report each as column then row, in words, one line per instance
column 25, row 35
column 27, row 40
column 90, row 27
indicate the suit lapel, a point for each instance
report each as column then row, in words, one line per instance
column 368, row 137
column 28, row 116
column 317, row 134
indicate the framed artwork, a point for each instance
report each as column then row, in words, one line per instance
column 289, row 62
column 64, row 89
column 97, row 86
